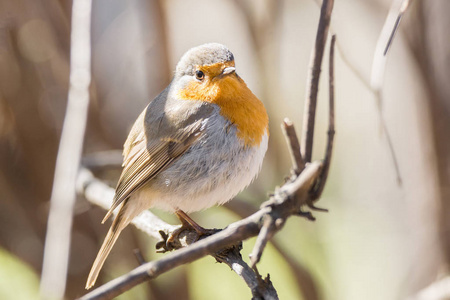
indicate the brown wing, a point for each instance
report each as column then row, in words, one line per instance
column 147, row 159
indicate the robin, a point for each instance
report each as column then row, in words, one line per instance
column 198, row 143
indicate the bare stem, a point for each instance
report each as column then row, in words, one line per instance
column 329, row 150
column 298, row 164
column 390, row 27
column 313, row 79
column 57, row 240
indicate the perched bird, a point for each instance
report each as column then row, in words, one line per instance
column 197, row 144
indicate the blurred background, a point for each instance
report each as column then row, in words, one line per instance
column 380, row 240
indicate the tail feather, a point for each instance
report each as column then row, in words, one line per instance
column 120, row 222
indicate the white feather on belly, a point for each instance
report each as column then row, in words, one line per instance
column 211, row 173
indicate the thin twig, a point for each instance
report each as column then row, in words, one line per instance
column 265, row 234
column 313, row 80
column 329, row 150
column 403, row 8
column 385, row 39
column 378, row 73
column 298, row 164
column 344, row 56
column 352, row 66
column 390, row 27
column 261, row 289
column 139, row 257
column 57, row 241
column 384, row 128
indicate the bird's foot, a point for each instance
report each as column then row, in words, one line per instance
column 188, row 233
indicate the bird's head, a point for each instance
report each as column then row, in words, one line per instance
column 207, row 73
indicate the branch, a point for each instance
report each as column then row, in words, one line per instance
column 303, row 277
column 329, row 150
column 271, row 225
column 286, row 202
column 298, row 164
column 404, row 6
column 100, row 194
column 385, row 40
column 390, row 27
column 313, row 79
column 439, row 289
column 57, row 241
column 260, row 288
column 110, row 159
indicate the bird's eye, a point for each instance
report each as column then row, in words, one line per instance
column 199, row 75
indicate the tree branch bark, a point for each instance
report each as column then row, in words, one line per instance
column 286, row 202
column 59, row 226
column 313, row 79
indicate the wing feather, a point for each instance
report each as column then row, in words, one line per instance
column 148, row 159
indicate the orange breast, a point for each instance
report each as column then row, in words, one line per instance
column 237, row 103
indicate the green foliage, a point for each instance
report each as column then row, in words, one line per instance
column 17, row 279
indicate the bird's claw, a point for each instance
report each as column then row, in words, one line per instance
column 182, row 237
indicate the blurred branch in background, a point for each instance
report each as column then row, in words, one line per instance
column 430, row 44
column 390, row 28
column 439, row 290
column 59, row 226
column 34, row 41
column 391, row 25
column 264, row 38
column 34, row 80
column 101, row 160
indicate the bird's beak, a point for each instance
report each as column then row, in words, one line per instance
column 228, row 70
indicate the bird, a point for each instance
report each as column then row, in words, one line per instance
column 199, row 143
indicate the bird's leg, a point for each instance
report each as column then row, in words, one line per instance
column 186, row 224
